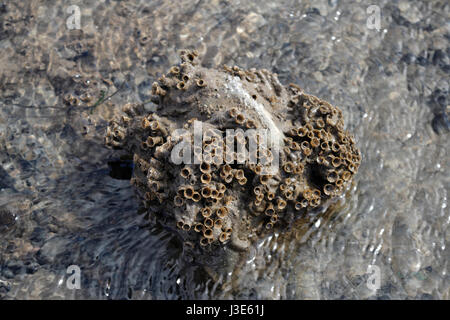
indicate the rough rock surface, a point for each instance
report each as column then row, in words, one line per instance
column 264, row 155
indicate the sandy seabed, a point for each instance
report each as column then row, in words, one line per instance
column 60, row 206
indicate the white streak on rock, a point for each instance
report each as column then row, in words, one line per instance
column 234, row 86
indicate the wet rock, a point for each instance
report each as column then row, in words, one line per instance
column 441, row 123
column 13, row 267
column 439, row 104
column 5, row 180
column 408, row 58
column 7, row 218
column 38, row 234
column 5, row 287
column 288, row 154
column 440, row 58
column 425, row 296
column 48, row 254
column 250, row 24
column 31, row 267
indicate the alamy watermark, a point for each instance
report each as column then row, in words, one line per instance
column 74, row 280
column 374, row 18
column 213, row 146
column 73, row 22
column 374, row 280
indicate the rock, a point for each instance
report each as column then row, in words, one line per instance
column 7, row 218
column 231, row 154
column 50, row 250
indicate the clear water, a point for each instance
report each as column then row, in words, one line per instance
column 62, row 207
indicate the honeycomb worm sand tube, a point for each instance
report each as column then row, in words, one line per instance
column 222, row 195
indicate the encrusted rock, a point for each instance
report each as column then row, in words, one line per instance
column 287, row 155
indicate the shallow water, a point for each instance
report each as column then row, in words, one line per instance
column 61, row 207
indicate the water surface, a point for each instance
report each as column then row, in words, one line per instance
column 61, row 206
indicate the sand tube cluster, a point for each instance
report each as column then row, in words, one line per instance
column 232, row 154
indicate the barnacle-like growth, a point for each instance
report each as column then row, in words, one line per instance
column 288, row 154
